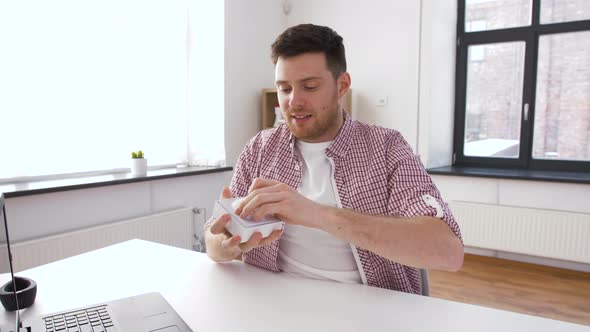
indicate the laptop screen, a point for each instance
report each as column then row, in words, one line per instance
column 5, row 255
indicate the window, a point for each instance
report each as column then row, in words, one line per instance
column 472, row 26
column 84, row 83
column 522, row 84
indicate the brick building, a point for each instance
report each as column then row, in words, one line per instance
column 495, row 80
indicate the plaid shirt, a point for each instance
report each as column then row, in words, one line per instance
column 376, row 173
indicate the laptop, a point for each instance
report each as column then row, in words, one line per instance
column 146, row 312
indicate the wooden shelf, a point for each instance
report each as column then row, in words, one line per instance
column 269, row 101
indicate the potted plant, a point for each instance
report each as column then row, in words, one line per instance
column 138, row 164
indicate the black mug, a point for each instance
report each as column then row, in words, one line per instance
column 26, row 291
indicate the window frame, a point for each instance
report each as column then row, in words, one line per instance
column 530, row 35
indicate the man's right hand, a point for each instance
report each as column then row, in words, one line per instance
column 222, row 246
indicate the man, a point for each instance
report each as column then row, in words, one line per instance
column 357, row 204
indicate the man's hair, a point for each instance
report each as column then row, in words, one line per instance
column 309, row 38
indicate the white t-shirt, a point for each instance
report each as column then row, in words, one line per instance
column 310, row 252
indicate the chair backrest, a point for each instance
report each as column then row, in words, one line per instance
column 425, row 282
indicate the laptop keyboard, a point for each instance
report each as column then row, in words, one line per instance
column 95, row 319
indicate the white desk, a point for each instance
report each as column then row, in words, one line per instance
column 239, row 297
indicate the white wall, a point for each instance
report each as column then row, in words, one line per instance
column 567, row 197
column 402, row 50
column 381, row 39
column 46, row 214
column 570, row 197
column 250, row 28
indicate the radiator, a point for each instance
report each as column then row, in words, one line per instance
column 174, row 227
column 537, row 232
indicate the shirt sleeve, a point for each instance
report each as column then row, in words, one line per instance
column 411, row 190
column 244, row 171
column 241, row 178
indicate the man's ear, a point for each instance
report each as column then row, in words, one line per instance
column 343, row 84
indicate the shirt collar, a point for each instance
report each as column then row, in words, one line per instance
column 342, row 141
column 339, row 147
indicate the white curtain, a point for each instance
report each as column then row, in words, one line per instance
column 84, row 83
column 206, row 82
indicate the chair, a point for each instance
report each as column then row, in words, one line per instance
column 425, row 283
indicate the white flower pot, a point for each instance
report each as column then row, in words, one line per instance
column 138, row 167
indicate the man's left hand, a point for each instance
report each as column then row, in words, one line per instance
column 269, row 197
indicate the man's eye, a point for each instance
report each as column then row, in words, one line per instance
column 284, row 89
column 310, row 88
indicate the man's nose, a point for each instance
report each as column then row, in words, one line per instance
column 296, row 99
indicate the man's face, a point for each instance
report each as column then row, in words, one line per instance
column 309, row 96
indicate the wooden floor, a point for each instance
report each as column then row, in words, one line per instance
column 520, row 287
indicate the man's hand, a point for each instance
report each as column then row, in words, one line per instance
column 222, row 246
column 268, row 197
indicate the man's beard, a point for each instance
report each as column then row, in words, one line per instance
column 321, row 123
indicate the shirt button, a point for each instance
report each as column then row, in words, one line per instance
column 296, row 167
